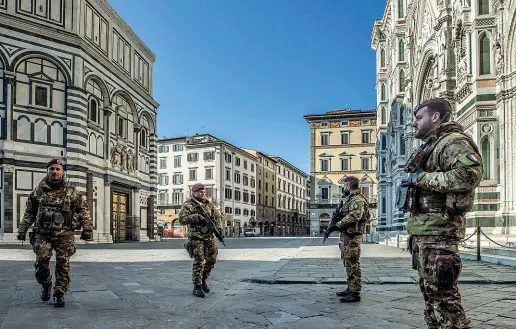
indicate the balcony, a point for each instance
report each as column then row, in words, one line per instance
column 170, row 202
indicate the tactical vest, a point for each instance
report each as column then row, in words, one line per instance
column 54, row 213
column 359, row 228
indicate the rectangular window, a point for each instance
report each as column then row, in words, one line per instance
column 177, row 197
column 252, row 167
column 193, row 174
column 245, row 180
column 162, row 163
column 366, row 190
column 365, row 164
column 209, row 192
column 208, row 173
column 325, row 165
column 209, row 156
column 228, row 210
column 163, row 149
column 246, row 196
column 237, row 178
column 245, row 164
column 253, row 198
column 325, row 139
column 325, row 193
column 41, row 96
column 193, row 157
column 366, row 137
column 228, row 193
column 237, row 161
column 228, row 174
column 227, row 157
column 177, row 161
column 344, row 138
column 253, row 182
column 177, row 147
column 237, row 195
column 178, row 179
column 344, row 164
column 163, row 180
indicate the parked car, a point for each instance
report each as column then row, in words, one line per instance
column 253, row 231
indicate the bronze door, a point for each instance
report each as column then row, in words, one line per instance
column 119, row 215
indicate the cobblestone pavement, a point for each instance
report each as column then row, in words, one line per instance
column 149, row 286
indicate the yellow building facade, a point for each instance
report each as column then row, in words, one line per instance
column 342, row 143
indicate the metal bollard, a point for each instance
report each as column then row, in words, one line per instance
column 397, row 239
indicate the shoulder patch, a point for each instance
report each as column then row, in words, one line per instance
column 469, row 159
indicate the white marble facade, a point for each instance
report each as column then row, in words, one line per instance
column 76, row 84
column 460, row 50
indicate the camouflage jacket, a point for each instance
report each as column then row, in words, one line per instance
column 446, row 184
column 353, row 215
column 190, row 215
column 62, row 197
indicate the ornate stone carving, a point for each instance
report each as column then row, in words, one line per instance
column 122, row 158
column 10, row 80
column 498, row 55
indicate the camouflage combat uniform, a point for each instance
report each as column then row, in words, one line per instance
column 205, row 250
column 57, row 199
column 444, row 190
column 352, row 226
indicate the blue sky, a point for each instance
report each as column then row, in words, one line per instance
column 247, row 71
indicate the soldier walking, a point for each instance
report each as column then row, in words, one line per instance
column 201, row 245
column 56, row 210
column 438, row 192
column 355, row 210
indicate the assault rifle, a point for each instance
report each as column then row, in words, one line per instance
column 334, row 219
column 211, row 225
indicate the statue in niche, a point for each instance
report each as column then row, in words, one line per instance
column 123, row 158
column 130, row 160
column 115, row 156
column 498, row 53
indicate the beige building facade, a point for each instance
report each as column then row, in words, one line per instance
column 342, row 143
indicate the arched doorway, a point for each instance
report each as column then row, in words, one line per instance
column 266, row 229
column 324, row 221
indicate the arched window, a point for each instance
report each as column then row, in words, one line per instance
column 483, row 7
column 92, row 142
column 402, row 144
column 485, row 55
column 486, row 158
column 382, row 58
column 40, row 131
column 383, row 93
column 401, row 51
column 402, row 81
column 100, row 146
column 97, row 98
column 143, row 138
column 384, row 142
column 56, row 133
column 384, row 205
column 122, row 118
column 383, row 115
column 401, row 9
column 23, row 129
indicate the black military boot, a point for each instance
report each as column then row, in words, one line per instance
column 46, row 289
column 59, row 301
column 343, row 293
column 352, row 297
column 197, row 291
column 205, row 287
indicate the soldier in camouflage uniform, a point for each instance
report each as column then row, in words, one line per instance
column 56, row 210
column 202, row 245
column 351, row 226
column 443, row 174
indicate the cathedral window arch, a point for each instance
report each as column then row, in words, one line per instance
column 382, row 58
column 486, row 158
column 383, row 115
column 485, row 54
column 23, row 128
column 123, row 116
column 402, row 81
column 95, row 102
column 483, row 7
column 401, row 51
column 383, row 93
column 401, row 9
column 40, row 131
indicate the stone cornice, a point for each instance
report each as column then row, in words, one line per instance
column 373, row 145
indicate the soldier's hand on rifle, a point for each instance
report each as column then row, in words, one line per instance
column 21, row 236
column 202, row 220
column 332, row 228
column 87, row 235
column 410, row 180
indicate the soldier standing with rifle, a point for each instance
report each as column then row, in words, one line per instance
column 354, row 214
column 438, row 192
column 204, row 221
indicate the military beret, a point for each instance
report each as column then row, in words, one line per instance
column 197, row 187
column 53, row 162
column 440, row 104
column 351, row 179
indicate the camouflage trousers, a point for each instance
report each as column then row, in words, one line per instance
column 350, row 254
column 64, row 246
column 205, row 254
column 439, row 269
